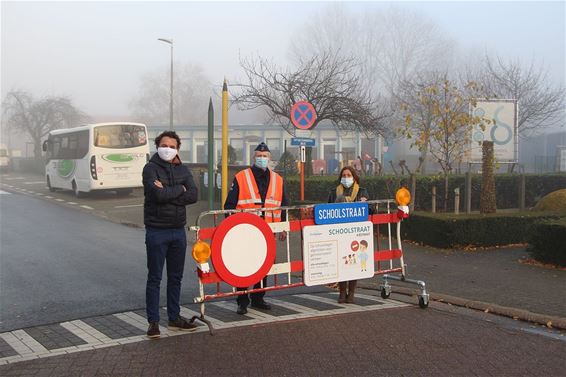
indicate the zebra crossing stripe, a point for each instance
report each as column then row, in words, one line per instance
column 26, row 347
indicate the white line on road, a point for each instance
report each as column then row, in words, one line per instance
column 60, row 200
column 14, row 178
column 86, row 207
column 48, row 197
column 4, row 192
column 72, row 203
column 34, row 183
column 129, row 206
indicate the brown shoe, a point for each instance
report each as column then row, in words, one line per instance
column 181, row 324
column 342, row 295
column 153, row 330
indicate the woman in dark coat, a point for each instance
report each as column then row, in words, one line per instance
column 347, row 190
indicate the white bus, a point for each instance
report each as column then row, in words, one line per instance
column 102, row 156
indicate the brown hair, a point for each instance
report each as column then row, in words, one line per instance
column 170, row 134
column 354, row 174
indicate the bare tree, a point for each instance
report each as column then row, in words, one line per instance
column 191, row 94
column 35, row 118
column 328, row 81
column 540, row 103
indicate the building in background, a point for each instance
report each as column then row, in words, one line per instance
column 331, row 146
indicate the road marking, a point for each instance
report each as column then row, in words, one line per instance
column 34, row 183
column 4, row 192
column 48, row 197
column 86, row 332
column 60, row 200
column 28, row 348
column 14, row 178
column 129, row 206
column 86, row 207
column 72, row 203
column 38, row 193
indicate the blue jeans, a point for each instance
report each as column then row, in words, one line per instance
column 164, row 245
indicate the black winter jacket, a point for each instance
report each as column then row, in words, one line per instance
column 165, row 207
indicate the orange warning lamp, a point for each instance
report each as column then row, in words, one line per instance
column 403, row 196
column 201, row 254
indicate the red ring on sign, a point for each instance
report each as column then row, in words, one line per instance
column 297, row 121
column 216, row 249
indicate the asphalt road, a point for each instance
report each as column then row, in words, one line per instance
column 58, row 263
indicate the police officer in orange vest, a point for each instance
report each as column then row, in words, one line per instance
column 258, row 187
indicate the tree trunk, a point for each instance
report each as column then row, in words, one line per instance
column 37, row 149
column 487, row 199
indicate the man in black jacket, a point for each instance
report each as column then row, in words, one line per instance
column 168, row 188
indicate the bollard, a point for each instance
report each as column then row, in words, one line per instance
column 522, row 192
column 433, row 199
column 468, row 192
column 457, row 200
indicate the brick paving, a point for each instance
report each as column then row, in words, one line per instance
column 403, row 341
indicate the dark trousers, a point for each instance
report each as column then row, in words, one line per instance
column 244, row 300
column 164, row 245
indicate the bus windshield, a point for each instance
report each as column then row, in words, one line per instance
column 119, row 136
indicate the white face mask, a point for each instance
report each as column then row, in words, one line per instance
column 166, row 153
column 261, row 162
column 347, row 182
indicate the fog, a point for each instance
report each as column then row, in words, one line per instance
column 96, row 53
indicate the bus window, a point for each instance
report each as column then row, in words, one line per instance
column 119, row 136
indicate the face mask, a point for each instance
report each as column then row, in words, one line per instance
column 347, row 182
column 261, row 162
column 166, row 153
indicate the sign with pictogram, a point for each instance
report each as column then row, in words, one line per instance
column 338, row 252
column 303, row 115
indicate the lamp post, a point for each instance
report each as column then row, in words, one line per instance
column 170, row 42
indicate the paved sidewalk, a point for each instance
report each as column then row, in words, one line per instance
column 494, row 276
column 400, row 341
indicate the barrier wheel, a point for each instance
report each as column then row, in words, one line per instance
column 423, row 302
column 384, row 293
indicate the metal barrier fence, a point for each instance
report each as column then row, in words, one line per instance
column 288, row 272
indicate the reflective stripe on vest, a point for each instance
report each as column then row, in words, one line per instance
column 249, row 196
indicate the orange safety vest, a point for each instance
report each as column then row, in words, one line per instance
column 249, row 196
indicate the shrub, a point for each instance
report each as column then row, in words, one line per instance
column 448, row 230
column 384, row 187
column 555, row 201
column 547, row 241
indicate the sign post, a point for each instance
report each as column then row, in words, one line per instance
column 303, row 117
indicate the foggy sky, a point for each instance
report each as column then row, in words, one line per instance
column 96, row 52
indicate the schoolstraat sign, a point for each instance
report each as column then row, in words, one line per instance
column 336, row 213
column 338, row 252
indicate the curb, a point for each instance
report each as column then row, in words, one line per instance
column 519, row 314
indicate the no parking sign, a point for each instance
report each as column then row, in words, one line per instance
column 303, row 115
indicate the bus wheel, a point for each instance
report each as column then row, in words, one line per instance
column 51, row 189
column 124, row 192
column 78, row 193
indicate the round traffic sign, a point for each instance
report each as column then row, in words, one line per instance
column 243, row 249
column 303, row 115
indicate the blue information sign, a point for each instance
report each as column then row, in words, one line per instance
column 306, row 141
column 335, row 213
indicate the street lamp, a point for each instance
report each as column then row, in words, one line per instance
column 170, row 42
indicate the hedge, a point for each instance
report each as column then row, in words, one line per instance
column 384, row 187
column 547, row 241
column 452, row 231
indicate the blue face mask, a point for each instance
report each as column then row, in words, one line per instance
column 347, row 182
column 261, row 162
